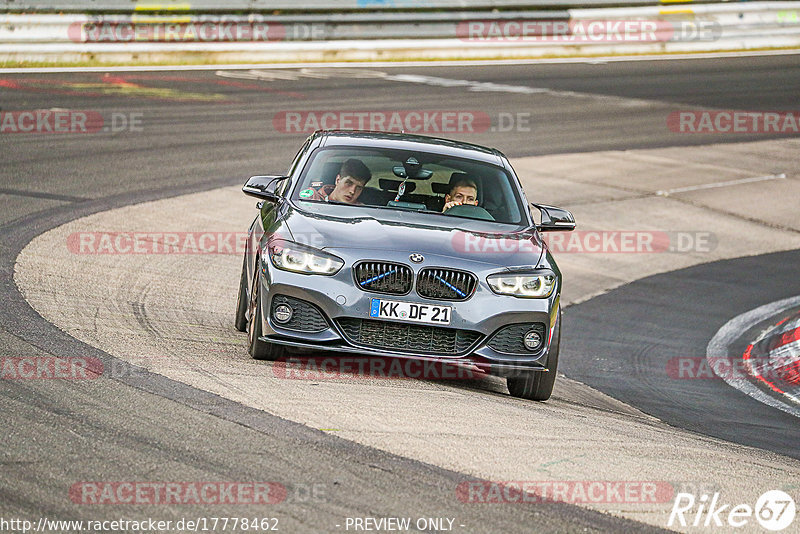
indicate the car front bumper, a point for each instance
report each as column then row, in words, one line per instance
column 337, row 297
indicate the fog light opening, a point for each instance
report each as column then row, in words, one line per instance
column 282, row 313
column 532, row 340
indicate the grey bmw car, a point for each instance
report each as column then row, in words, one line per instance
column 398, row 245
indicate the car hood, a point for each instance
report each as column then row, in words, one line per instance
column 413, row 233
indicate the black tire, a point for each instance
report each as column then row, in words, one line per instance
column 240, row 323
column 259, row 349
column 538, row 385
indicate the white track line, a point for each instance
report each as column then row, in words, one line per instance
column 402, row 64
column 718, row 349
column 714, row 185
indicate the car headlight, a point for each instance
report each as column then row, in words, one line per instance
column 297, row 258
column 533, row 285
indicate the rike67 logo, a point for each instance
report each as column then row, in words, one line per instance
column 774, row 510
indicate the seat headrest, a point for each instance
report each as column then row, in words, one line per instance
column 329, row 172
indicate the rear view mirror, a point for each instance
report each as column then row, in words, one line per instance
column 555, row 219
column 418, row 174
column 263, row 187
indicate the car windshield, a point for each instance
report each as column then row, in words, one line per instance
column 408, row 180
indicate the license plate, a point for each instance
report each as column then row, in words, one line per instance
column 410, row 311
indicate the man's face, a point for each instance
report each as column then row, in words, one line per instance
column 463, row 194
column 347, row 189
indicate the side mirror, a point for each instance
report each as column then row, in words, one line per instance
column 263, row 187
column 554, row 219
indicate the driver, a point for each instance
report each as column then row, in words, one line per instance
column 463, row 191
column 350, row 181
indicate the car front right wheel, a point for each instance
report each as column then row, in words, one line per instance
column 259, row 349
column 240, row 322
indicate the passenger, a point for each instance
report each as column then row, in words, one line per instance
column 463, row 191
column 350, row 181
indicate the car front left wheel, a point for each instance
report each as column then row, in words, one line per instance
column 538, row 385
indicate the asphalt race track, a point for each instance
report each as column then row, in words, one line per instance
column 632, row 363
column 202, row 131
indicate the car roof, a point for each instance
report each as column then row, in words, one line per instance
column 412, row 142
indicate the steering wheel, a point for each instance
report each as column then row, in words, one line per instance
column 468, row 211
